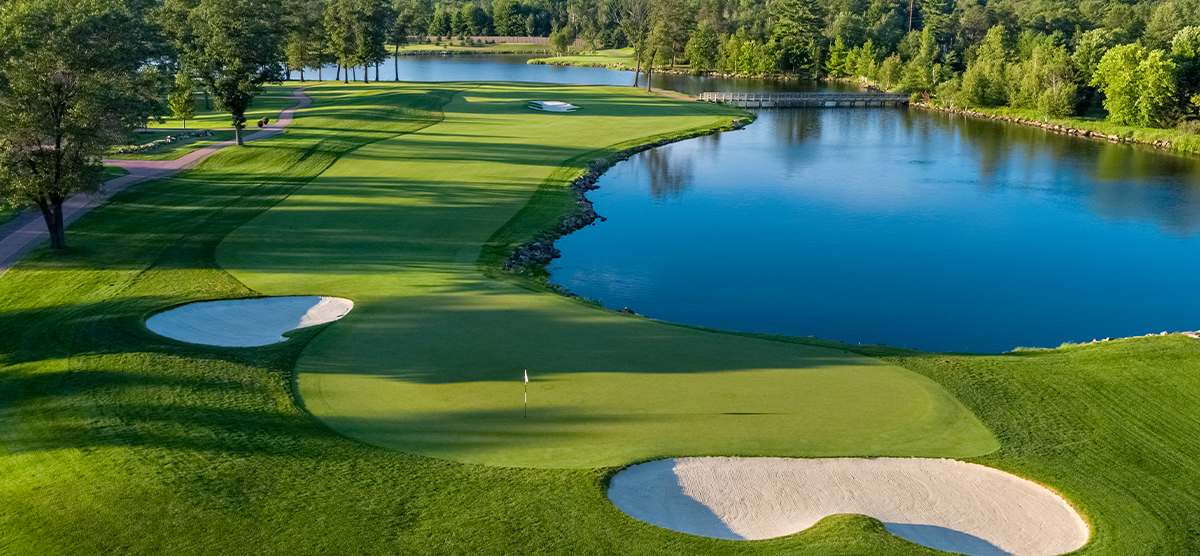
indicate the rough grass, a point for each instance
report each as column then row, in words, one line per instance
column 114, row 441
column 619, row 58
column 457, row 47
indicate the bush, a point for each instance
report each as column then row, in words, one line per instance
column 1189, row 126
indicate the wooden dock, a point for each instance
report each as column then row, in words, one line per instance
column 806, row 100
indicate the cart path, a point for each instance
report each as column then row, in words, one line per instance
column 28, row 230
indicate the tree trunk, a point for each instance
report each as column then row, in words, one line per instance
column 650, row 68
column 52, row 213
column 207, row 104
column 377, row 64
column 636, row 70
column 396, row 59
column 302, row 75
column 319, row 74
column 237, row 134
column 366, row 73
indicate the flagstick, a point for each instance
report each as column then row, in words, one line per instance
column 527, row 394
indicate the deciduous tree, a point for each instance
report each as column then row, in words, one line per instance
column 74, row 81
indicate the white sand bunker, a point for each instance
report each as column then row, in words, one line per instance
column 246, row 322
column 940, row 503
column 552, row 106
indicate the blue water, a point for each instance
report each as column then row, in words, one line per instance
column 897, row 226
column 514, row 68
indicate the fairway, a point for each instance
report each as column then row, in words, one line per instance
column 431, row 359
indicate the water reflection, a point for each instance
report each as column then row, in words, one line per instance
column 898, row 226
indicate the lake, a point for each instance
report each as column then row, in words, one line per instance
column 881, row 225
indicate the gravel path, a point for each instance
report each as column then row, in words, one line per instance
column 28, row 230
column 941, row 503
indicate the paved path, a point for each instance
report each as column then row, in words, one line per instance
column 28, row 230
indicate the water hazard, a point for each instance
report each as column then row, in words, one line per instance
column 893, row 226
column 897, row 226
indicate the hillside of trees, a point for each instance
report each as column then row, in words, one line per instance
column 1138, row 60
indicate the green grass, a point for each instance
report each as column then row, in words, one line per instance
column 115, row 441
column 273, row 100
column 497, row 48
column 178, row 149
column 398, row 225
column 7, row 213
column 1180, row 141
column 620, row 58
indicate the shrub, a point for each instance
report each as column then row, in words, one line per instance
column 1189, row 126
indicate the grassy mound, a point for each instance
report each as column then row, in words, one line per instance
column 431, row 360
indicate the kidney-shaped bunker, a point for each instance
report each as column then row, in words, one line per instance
column 246, row 322
column 940, row 503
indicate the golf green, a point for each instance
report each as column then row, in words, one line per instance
column 431, row 359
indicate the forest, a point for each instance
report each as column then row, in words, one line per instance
column 1138, row 61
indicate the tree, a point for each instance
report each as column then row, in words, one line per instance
column 635, row 23
column 62, row 106
column 985, row 81
column 835, row 63
column 506, row 18
column 1156, row 90
column 560, row 41
column 1185, row 52
column 1138, row 86
column 703, row 48
column 234, row 48
column 797, row 32
column 439, row 23
column 1116, row 77
column 182, row 101
column 305, row 41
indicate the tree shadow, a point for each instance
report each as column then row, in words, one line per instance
column 943, row 538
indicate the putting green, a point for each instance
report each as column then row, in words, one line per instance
column 430, row 361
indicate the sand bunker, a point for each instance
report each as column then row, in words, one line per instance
column 246, row 322
column 552, row 106
column 941, row 503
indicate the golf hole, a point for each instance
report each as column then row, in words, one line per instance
column 940, row 503
column 246, row 322
column 552, row 106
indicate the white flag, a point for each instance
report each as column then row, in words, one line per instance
column 526, row 376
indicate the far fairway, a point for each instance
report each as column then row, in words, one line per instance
column 431, row 359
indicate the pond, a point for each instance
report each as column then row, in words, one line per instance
column 895, row 226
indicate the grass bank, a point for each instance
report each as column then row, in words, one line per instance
column 174, row 150
column 113, row 440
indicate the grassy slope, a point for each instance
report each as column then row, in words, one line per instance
column 430, row 360
column 116, row 442
column 498, row 48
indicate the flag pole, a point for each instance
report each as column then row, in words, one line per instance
column 526, row 392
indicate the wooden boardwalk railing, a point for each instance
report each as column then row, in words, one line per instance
column 814, row 100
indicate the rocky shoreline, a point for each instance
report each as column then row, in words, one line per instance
column 1055, row 128
column 540, row 251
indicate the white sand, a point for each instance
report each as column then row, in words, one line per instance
column 552, row 106
column 246, row 322
column 940, row 503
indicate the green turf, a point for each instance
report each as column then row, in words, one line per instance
column 273, row 100
column 9, row 212
column 430, row 360
column 178, row 149
column 620, row 58
column 114, row 441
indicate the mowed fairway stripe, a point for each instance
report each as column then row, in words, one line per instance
column 430, row 360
